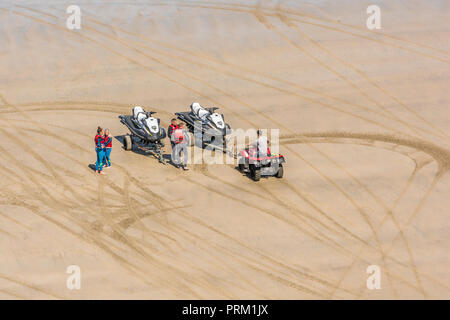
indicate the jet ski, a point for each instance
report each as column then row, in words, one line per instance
column 206, row 124
column 145, row 132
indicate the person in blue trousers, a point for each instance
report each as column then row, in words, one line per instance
column 108, row 147
column 100, row 150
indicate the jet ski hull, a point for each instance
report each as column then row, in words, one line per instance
column 129, row 122
column 194, row 124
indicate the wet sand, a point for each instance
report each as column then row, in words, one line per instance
column 364, row 126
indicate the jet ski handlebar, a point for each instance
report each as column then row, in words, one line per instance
column 212, row 109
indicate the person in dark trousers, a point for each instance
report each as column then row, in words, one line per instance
column 173, row 126
column 108, row 147
column 100, row 150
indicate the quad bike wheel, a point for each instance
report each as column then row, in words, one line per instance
column 241, row 165
column 280, row 172
column 256, row 174
column 128, row 143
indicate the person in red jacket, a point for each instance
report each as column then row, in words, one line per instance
column 173, row 126
column 181, row 139
column 100, row 150
column 107, row 140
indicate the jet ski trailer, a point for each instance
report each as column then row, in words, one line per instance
column 145, row 134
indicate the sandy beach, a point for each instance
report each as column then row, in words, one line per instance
column 364, row 126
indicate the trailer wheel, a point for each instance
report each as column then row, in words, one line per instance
column 162, row 134
column 128, row 143
column 280, row 172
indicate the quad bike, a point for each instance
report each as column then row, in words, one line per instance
column 146, row 132
column 206, row 125
column 267, row 165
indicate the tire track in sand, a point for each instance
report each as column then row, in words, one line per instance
column 353, row 202
column 274, row 12
column 94, row 41
column 101, row 193
column 200, row 80
column 366, row 77
column 440, row 155
column 325, row 65
column 292, row 209
column 297, row 46
column 242, row 7
column 153, row 58
column 160, row 201
column 118, row 234
column 227, row 71
column 55, row 136
column 387, row 210
column 336, row 245
column 30, row 286
column 385, row 217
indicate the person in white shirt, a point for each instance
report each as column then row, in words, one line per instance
column 261, row 144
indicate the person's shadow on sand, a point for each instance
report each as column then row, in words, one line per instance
column 121, row 140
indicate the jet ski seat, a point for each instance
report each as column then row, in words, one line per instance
column 141, row 117
column 137, row 110
column 139, row 114
column 199, row 111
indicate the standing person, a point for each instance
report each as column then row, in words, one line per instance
column 108, row 147
column 180, row 138
column 172, row 127
column 99, row 149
